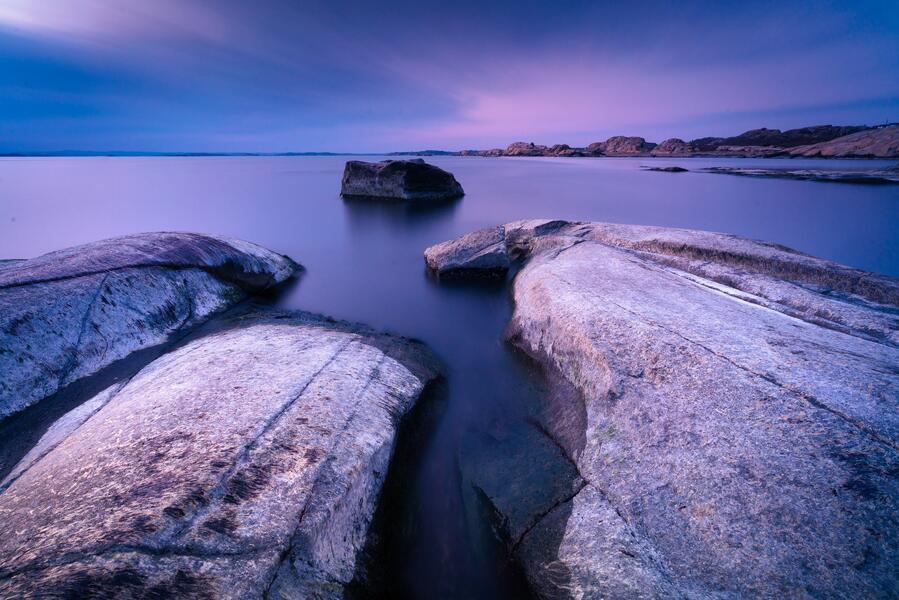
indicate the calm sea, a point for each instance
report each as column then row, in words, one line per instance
column 364, row 263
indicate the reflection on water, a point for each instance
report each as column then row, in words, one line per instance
column 365, row 264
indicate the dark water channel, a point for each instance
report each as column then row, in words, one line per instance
column 364, row 263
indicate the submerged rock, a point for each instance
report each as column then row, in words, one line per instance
column 245, row 464
column 674, row 169
column 398, row 180
column 736, row 422
column 844, row 175
column 68, row 314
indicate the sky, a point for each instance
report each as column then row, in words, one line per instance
column 363, row 76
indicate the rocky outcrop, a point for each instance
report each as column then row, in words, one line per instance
column 734, row 421
column 525, row 149
column 565, row 150
column 244, row 464
column 673, row 147
column 673, row 169
column 412, row 180
column 747, row 151
column 842, row 175
column 621, row 145
column 68, row 314
column 881, row 142
column 481, row 253
column 776, row 138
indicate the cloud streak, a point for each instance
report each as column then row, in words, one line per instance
column 223, row 75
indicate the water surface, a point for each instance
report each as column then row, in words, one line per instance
column 364, row 263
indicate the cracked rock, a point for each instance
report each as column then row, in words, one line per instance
column 68, row 314
column 736, row 419
column 256, row 478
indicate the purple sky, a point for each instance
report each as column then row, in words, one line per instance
column 223, row 75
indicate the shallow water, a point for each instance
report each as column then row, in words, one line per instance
column 364, row 263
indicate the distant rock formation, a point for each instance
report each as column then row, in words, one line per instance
column 781, row 139
column 413, row 180
column 621, row 145
column 881, row 142
column 673, row 147
column 526, row 149
column 848, row 175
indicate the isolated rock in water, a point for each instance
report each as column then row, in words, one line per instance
column 836, row 175
column 245, row 464
column 736, row 424
column 674, row 169
column 673, row 147
column 526, row 149
column 882, row 142
column 479, row 253
column 398, row 180
column 68, row 314
column 621, row 145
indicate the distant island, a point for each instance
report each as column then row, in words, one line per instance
column 821, row 141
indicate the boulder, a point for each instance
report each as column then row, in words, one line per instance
column 481, row 253
column 735, row 422
column 525, row 149
column 413, row 180
column 621, row 145
column 881, row 142
column 68, row 314
column 673, row 147
column 245, row 464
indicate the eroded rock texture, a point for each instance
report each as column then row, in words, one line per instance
column 412, row 179
column 68, row 314
column 735, row 423
column 245, row 464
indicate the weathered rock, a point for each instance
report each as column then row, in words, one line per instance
column 564, row 150
column 881, row 142
column 621, row 145
column 525, row 149
column 673, row 147
column 245, row 464
column 748, row 151
column 479, row 253
column 841, row 175
column 737, row 425
column 413, row 180
column 68, row 314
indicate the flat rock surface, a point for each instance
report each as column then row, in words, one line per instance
column 68, row 314
column 844, row 175
column 737, row 418
column 398, row 180
column 244, row 464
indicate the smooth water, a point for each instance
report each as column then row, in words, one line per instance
column 364, row 263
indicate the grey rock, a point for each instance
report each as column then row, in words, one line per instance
column 68, row 314
column 413, row 180
column 244, row 464
column 736, row 422
column 480, row 253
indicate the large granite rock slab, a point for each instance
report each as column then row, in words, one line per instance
column 68, row 314
column 480, row 253
column 736, row 424
column 398, row 180
column 244, row 464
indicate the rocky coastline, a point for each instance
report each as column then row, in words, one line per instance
column 822, row 141
column 727, row 408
